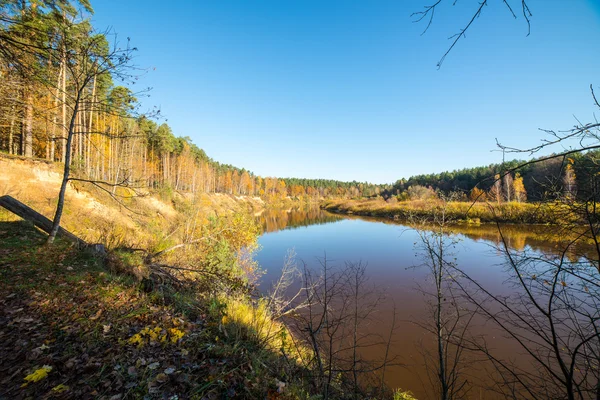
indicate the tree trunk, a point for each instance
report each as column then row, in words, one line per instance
column 64, row 110
column 11, row 145
column 79, row 123
column 29, row 214
column 55, row 118
column 67, row 169
column 89, row 129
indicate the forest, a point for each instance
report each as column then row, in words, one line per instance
column 539, row 179
column 58, row 75
column 115, row 143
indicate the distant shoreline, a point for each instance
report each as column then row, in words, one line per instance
column 459, row 212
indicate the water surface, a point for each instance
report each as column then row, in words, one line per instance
column 391, row 251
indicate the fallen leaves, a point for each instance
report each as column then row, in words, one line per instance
column 60, row 388
column 169, row 370
column 175, row 335
column 74, row 336
column 155, row 335
column 37, row 375
column 154, row 365
column 97, row 315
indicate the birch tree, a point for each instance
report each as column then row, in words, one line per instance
column 87, row 58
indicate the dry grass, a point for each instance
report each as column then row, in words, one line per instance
column 90, row 213
column 513, row 212
column 244, row 318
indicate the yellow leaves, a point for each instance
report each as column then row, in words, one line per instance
column 147, row 335
column 477, row 194
column 241, row 231
column 60, row 388
column 155, row 335
column 175, row 335
column 136, row 339
column 37, row 375
column 519, row 188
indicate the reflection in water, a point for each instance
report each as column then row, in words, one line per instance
column 389, row 249
column 274, row 220
column 540, row 238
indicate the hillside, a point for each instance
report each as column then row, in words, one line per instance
column 171, row 311
column 140, row 219
column 180, row 324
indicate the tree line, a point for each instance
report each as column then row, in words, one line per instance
column 540, row 179
column 59, row 77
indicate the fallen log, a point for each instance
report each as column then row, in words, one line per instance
column 29, row 214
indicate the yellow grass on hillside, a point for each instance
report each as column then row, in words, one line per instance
column 96, row 217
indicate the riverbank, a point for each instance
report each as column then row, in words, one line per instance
column 142, row 218
column 512, row 212
column 164, row 314
column 73, row 328
column 170, row 311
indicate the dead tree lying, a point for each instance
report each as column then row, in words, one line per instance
column 29, row 214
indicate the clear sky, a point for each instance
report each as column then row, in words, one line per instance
column 350, row 90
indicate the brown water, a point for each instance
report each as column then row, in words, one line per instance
column 391, row 251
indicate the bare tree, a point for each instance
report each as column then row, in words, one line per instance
column 551, row 316
column 332, row 318
column 552, row 312
column 280, row 301
column 428, row 14
column 86, row 58
column 449, row 320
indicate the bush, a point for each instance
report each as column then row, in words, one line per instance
column 418, row 192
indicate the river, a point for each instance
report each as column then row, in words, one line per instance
column 394, row 261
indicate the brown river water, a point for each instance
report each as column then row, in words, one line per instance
column 391, row 251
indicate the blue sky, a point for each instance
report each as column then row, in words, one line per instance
column 350, row 90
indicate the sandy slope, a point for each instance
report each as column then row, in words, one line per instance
column 95, row 216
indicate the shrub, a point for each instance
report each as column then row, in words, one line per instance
column 418, row 192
